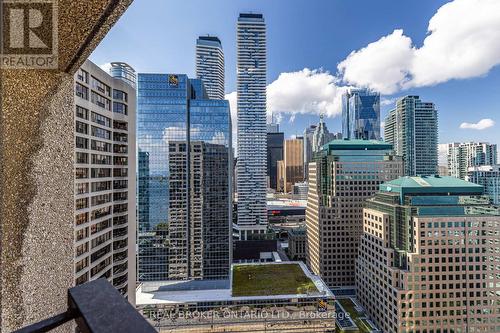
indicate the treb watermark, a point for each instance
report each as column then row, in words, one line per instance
column 28, row 34
column 231, row 314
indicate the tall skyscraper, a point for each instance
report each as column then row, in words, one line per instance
column 487, row 176
column 105, row 219
column 275, row 140
column 308, row 152
column 428, row 260
column 210, row 65
column 185, row 161
column 294, row 162
column 251, row 83
column 342, row 176
column 462, row 156
column 322, row 135
column 412, row 128
column 361, row 114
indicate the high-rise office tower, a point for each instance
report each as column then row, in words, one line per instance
column 294, row 162
column 185, row 161
column 487, row 176
column 428, row 260
column 412, row 128
column 343, row 174
column 210, row 65
column 275, row 140
column 105, row 219
column 251, row 83
column 308, row 152
column 322, row 135
column 462, row 156
column 361, row 114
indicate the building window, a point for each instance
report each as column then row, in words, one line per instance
column 101, row 101
column 81, row 264
column 119, row 108
column 120, row 137
column 82, row 158
column 101, row 146
column 81, row 127
column 120, row 95
column 82, row 188
column 81, row 218
column 81, row 173
column 81, row 203
column 101, row 133
column 82, row 112
column 120, row 125
column 81, row 91
column 82, row 75
column 101, row 120
column 101, row 159
column 82, row 143
column 100, row 172
column 101, row 87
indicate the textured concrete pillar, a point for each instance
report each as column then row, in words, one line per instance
column 36, row 169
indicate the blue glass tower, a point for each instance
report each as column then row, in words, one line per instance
column 184, row 138
column 361, row 115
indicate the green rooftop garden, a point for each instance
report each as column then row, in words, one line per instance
column 359, row 319
column 267, row 280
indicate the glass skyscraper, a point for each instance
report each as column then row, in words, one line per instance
column 412, row 128
column 251, row 87
column 210, row 65
column 184, row 162
column 361, row 114
column 275, row 140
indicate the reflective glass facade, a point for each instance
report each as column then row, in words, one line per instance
column 361, row 115
column 210, row 65
column 175, row 235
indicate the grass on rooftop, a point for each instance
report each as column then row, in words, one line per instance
column 348, row 305
column 267, row 280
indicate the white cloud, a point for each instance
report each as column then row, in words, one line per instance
column 292, row 119
column 463, row 42
column 306, row 91
column 387, row 101
column 480, row 125
column 382, row 65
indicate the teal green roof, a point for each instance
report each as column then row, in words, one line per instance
column 431, row 184
column 357, row 145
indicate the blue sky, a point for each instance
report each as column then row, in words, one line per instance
column 456, row 69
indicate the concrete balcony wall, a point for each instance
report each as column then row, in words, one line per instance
column 36, row 169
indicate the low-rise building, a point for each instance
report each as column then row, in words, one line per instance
column 252, row 300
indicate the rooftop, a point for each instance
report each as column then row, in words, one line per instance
column 210, row 38
column 431, row 184
column 294, row 282
column 357, row 145
column 254, row 280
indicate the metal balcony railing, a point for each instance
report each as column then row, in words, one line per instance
column 96, row 307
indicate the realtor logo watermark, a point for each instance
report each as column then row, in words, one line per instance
column 28, row 34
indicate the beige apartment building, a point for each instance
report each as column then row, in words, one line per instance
column 294, row 162
column 429, row 257
column 343, row 175
column 105, row 219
